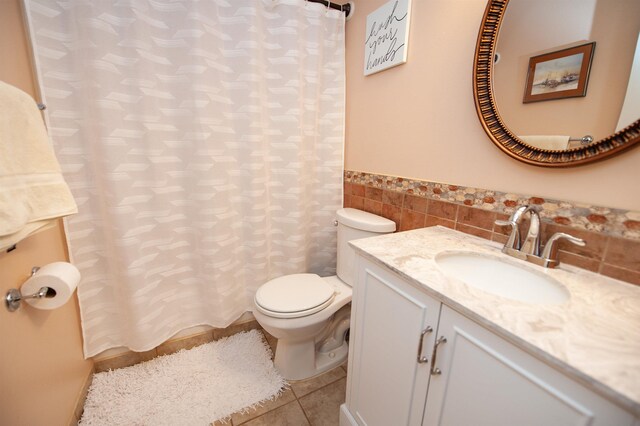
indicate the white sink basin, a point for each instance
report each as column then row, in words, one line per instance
column 502, row 277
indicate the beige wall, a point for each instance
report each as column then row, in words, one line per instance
column 418, row 119
column 42, row 369
column 572, row 23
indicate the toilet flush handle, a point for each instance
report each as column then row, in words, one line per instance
column 335, row 223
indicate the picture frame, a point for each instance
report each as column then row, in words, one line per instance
column 387, row 36
column 560, row 74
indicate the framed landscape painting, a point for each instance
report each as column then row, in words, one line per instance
column 560, row 74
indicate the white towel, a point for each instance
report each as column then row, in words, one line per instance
column 550, row 142
column 33, row 192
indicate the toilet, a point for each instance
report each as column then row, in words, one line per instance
column 309, row 314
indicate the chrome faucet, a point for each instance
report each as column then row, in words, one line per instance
column 531, row 243
column 529, row 248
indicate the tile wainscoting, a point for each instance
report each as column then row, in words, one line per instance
column 612, row 235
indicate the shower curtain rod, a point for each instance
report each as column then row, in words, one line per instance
column 346, row 8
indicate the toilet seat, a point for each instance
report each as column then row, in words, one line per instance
column 294, row 296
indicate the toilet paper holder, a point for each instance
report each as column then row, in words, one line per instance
column 13, row 297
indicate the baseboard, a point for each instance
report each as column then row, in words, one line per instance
column 346, row 419
column 82, row 397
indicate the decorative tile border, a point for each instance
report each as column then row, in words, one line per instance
column 609, row 221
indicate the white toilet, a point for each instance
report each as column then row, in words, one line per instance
column 309, row 315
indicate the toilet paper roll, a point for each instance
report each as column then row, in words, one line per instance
column 61, row 278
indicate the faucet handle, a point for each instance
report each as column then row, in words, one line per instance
column 550, row 251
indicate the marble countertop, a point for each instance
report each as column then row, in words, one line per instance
column 594, row 337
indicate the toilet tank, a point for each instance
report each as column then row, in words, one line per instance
column 354, row 224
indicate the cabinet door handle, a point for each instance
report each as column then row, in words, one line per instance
column 435, row 370
column 423, row 359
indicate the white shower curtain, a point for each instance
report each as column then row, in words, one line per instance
column 203, row 143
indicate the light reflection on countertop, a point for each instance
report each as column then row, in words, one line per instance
column 593, row 337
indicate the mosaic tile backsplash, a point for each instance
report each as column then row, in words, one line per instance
column 612, row 235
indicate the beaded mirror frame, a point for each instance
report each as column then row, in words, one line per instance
column 504, row 138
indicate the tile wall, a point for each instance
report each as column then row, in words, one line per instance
column 612, row 235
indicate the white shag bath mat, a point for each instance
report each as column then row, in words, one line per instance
column 191, row 387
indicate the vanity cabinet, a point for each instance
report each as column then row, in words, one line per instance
column 387, row 384
column 475, row 378
column 487, row 380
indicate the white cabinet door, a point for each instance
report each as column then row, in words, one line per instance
column 388, row 385
column 486, row 380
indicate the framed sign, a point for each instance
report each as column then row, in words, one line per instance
column 387, row 36
column 560, row 74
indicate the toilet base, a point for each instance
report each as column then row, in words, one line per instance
column 303, row 359
column 300, row 361
column 327, row 361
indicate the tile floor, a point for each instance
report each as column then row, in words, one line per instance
column 314, row 402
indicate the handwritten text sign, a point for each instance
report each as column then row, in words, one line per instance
column 387, row 36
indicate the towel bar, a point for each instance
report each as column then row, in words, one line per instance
column 585, row 140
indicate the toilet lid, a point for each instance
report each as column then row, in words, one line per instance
column 295, row 293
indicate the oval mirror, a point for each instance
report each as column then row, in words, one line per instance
column 557, row 83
